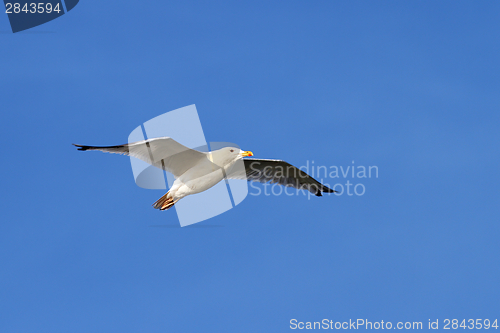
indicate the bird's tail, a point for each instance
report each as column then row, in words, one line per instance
column 164, row 202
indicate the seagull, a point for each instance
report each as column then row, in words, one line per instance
column 197, row 171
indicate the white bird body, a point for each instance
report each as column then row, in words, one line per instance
column 180, row 189
column 205, row 174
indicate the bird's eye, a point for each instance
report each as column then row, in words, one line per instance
column 232, row 150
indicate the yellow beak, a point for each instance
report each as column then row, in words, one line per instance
column 246, row 153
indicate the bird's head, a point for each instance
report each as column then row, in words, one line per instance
column 229, row 155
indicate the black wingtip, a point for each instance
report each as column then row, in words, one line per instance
column 81, row 147
column 329, row 190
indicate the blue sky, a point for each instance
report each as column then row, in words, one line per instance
column 410, row 87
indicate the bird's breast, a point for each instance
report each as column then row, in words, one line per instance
column 201, row 180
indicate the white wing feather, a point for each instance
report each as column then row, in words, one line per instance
column 164, row 153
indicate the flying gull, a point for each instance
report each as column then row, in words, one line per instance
column 197, row 171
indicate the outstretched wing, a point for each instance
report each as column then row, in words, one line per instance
column 164, row 153
column 280, row 172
